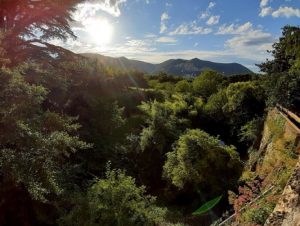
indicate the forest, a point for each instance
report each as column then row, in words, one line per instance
column 83, row 144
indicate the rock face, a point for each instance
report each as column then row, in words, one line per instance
column 287, row 210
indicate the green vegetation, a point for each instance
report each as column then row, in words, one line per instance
column 198, row 156
column 208, row 83
column 282, row 79
column 172, row 143
column 260, row 214
column 115, row 200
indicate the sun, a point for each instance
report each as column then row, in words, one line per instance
column 100, row 31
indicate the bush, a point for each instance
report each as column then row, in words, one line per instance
column 207, row 83
column 203, row 161
column 115, row 200
column 259, row 215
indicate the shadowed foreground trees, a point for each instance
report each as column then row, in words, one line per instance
column 34, row 144
column 115, row 200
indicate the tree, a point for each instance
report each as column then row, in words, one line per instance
column 283, row 72
column 251, row 131
column 35, row 144
column 203, row 162
column 215, row 104
column 245, row 101
column 3, row 59
column 164, row 124
column 283, row 88
column 286, row 52
column 207, row 83
column 115, row 200
column 183, row 86
column 25, row 23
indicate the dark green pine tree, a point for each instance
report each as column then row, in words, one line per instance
column 26, row 23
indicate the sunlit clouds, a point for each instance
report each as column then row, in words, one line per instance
column 154, row 31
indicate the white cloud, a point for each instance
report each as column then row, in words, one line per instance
column 265, row 11
column 163, row 28
column 207, row 12
column 166, row 39
column 190, row 29
column 136, row 43
column 234, row 29
column 211, row 5
column 213, row 20
column 284, row 11
column 91, row 7
column 247, row 41
column 150, row 35
column 253, row 39
column 204, row 15
column 163, row 18
column 263, row 3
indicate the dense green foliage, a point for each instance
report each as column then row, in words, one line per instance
column 282, row 80
column 286, row 52
column 208, row 83
column 197, row 157
column 34, row 142
column 114, row 200
column 63, row 118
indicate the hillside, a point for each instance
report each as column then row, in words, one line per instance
column 270, row 176
column 178, row 67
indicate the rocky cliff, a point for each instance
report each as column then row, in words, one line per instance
column 275, row 166
column 287, row 210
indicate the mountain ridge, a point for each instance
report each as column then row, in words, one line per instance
column 179, row 67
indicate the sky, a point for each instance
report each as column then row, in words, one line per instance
column 157, row 30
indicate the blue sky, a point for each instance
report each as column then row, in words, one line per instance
column 156, row 30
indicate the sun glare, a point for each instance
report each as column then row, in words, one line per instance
column 100, row 31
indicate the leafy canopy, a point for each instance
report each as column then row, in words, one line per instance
column 115, row 200
column 202, row 161
column 35, row 144
column 207, row 83
column 286, row 52
column 25, row 23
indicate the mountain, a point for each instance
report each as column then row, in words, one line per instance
column 174, row 66
column 122, row 63
column 195, row 66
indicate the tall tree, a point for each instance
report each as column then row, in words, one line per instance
column 282, row 81
column 286, row 52
column 34, row 147
column 24, row 23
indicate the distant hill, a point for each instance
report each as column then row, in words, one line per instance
column 176, row 67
